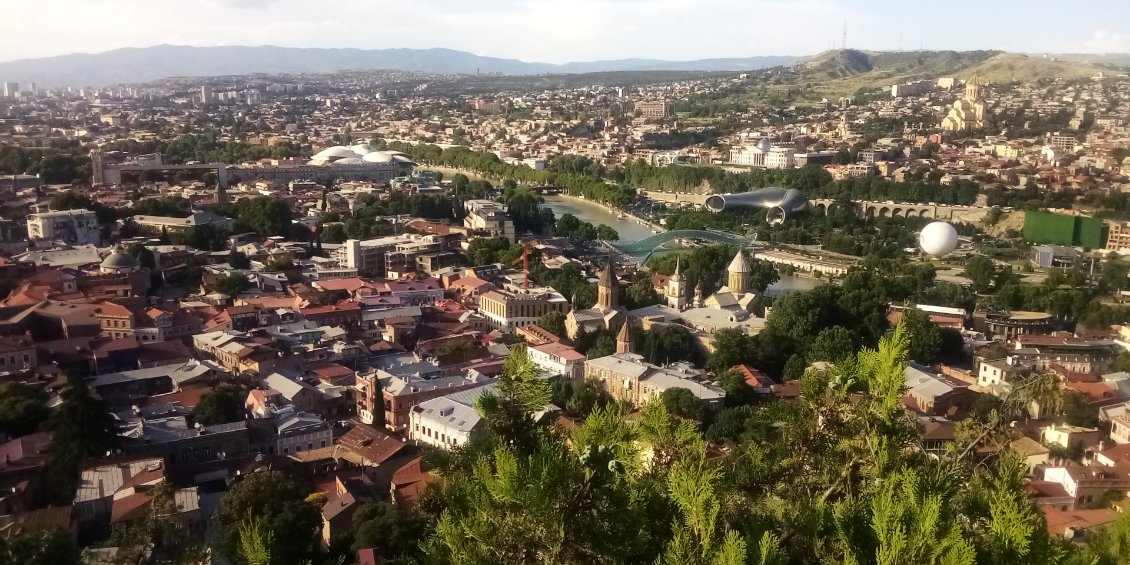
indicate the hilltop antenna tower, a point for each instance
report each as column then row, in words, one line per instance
column 843, row 41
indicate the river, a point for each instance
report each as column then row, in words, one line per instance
column 631, row 230
column 595, row 214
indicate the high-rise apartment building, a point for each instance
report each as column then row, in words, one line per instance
column 653, row 108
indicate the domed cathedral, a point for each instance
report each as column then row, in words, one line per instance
column 606, row 314
column 735, row 295
column 968, row 112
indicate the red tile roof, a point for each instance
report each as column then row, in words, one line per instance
column 1059, row 520
column 331, row 371
column 372, row 445
column 753, row 377
column 409, row 482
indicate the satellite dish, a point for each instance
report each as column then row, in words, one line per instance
column 938, row 239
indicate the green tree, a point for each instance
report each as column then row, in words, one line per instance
column 81, row 427
column 70, row 200
column 639, row 292
column 334, row 233
column 697, row 538
column 508, row 410
column 738, row 391
column 459, row 181
column 1078, row 412
column 393, row 533
column 794, row 368
column 567, row 225
column 553, row 322
column 264, row 215
column 579, row 399
column 484, row 251
column 1122, row 362
column 1115, row 275
column 255, row 542
column 40, row 546
column 233, row 285
column 604, row 346
column 163, row 532
column 23, row 409
column 925, row 336
column 665, row 344
column 981, row 271
column 606, row 233
column 682, row 402
column 525, row 209
column 239, row 260
column 761, row 275
column 832, row 344
column 222, row 405
column 279, row 504
column 732, row 346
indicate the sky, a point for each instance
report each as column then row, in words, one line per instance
column 559, row 31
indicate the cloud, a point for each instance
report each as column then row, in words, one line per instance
column 1104, row 41
column 242, row 4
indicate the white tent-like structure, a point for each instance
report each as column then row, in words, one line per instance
column 357, row 155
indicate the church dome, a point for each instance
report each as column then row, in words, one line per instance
column 739, row 265
column 119, row 260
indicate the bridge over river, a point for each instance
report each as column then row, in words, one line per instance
column 648, row 245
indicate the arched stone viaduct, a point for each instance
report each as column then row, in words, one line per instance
column 869, row 209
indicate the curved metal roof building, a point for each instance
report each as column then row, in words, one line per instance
column 780, row 203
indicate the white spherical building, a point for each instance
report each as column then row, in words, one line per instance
column 938, row 239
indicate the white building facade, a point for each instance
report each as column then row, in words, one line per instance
column 74, row 227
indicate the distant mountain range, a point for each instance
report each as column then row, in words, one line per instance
column 163, row 61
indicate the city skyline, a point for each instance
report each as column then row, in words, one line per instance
column 554, row 32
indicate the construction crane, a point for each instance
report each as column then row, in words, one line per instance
column 525, row 259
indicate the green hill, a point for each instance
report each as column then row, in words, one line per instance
column 847, row 72
column 837, row 63
column 1008, row 67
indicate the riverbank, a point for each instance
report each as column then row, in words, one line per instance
column 449, row 172
column 611, row 211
